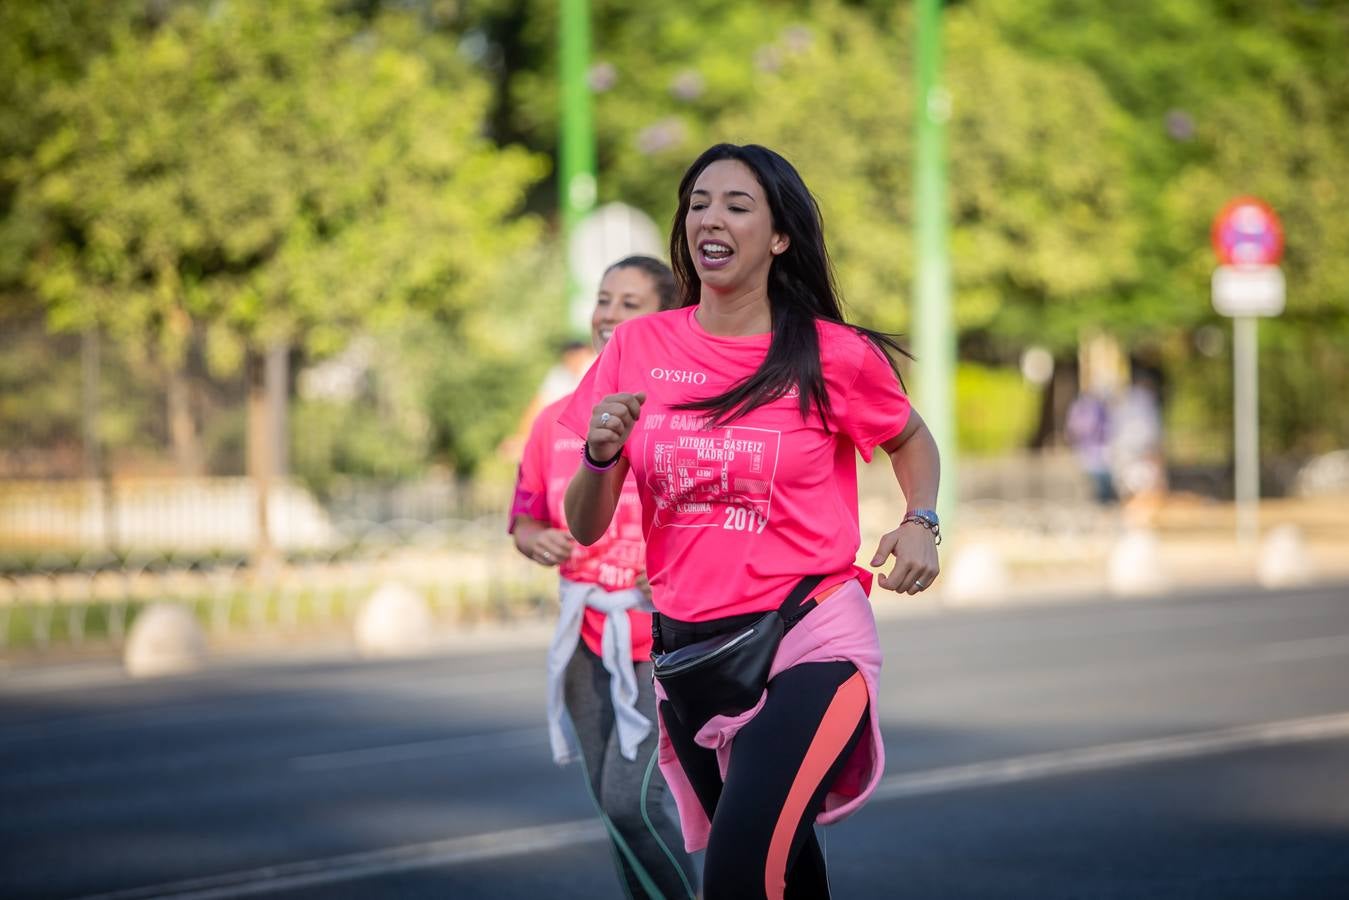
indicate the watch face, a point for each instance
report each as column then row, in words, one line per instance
column 927, row 515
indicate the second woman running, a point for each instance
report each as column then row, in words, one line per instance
column 599, row 669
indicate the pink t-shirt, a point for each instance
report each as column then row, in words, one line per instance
column 551, row 456
column 735, row 516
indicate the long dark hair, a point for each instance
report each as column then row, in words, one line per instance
column 800, row 290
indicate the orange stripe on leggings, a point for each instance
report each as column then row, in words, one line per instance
column 836, row 727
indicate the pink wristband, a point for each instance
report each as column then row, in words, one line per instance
column 594, row 465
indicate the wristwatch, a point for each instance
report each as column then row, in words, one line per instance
column 927, row 515
column 927, row 518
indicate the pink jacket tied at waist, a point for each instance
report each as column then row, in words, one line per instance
column 841, row 628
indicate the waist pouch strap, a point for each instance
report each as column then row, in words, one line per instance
column 726, row 674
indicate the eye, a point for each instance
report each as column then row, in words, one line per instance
column 738, row 209
column 697, row 206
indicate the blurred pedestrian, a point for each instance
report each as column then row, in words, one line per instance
column 601, row 704
column 1137, row 457
column 741, row 414
column 1088, row 430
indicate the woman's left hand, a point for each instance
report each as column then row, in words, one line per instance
column 914, row 548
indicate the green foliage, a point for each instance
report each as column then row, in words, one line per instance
column 1090, row 146
column 252, row 173
column 1043, row 230
column 39, row 394
column 312, row 171
column 270, row 172
column 1043, row 225
column 331, row 439
column 41, row 398
column 41, row 45
column 996, row 410
column 432, row 390
column 498, row 356
column 1223, row 99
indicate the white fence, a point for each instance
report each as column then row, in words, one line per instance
column 466, row 572
column 78, row 559
column 158, row 515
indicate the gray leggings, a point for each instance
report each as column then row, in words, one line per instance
column 631, row 795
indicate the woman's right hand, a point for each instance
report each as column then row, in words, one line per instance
column 611, row 423
column 551, row 547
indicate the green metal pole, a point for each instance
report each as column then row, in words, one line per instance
column 576, row 156
column 934, row 332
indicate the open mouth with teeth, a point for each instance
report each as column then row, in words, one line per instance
column 714, row 254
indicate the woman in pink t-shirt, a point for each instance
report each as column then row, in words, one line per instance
column 740, row 414
column 601, row 701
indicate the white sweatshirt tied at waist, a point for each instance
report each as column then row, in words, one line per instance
column 616, row 654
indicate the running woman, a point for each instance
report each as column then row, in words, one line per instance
column 741, row 414
column 599, row 668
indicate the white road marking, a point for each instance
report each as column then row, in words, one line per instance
column 1109, row 756
column 290, row 876
column 518, row 841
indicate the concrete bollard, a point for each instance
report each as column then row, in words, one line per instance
column 977, row 574
column 1135, row 566
column 394, row 621
column 1283, row 560
column 165, row 639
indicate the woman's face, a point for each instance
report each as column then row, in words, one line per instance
column 624, row 294
column 729, row 227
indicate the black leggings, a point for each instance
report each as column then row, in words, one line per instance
column 762, row 842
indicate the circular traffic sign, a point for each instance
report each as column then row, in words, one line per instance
column 1246, row 232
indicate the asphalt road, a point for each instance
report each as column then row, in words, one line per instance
column 1184, row 747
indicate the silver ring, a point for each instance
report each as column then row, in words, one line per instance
column 918, row 584
column 548, row 557
column 604, row 418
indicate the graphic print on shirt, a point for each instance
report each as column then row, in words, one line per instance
column 712, row 478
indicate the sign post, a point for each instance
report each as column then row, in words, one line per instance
column 576, row 149
column 933, row 325
column 1248, row 239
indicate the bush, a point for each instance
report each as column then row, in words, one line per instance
column 996, row 410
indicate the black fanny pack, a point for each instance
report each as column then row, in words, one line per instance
column 726, row 674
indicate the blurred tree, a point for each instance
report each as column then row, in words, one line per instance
column 246, row 175
column 413, row 402
column 995, row 409
column 42, row 45
column 1224, row 98
column 1090, row 146
column 41, row 394
column 1044, row 226
column 270, row 174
